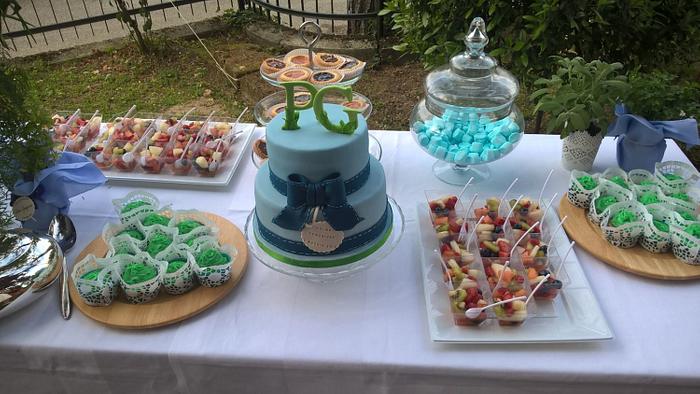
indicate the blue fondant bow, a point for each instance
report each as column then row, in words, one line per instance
column 328, row 195
column 641, row 142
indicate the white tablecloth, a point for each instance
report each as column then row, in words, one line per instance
column 367, row 334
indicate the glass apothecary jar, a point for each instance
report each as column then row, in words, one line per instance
column 468, row 117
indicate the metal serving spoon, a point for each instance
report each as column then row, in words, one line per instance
column 63, row 231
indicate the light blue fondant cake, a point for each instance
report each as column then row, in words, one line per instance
column 313, row 168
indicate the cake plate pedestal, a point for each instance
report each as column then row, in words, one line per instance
column 331, row 274
column 457, row 174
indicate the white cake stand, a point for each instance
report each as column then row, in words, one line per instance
column 334, row 273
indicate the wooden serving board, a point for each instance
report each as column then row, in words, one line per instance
column 636, row 260
column 165, row 309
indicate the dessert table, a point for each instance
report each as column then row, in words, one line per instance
column 366, row 334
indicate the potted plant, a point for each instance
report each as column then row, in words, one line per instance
column 579, row 100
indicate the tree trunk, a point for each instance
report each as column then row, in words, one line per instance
column 133, row 26
column 358, row 7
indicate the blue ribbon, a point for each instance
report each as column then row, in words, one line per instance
column 329, row 195
column 641, row 143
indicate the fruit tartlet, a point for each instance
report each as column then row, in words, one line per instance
column 272, row 66
column 328, row 60
column 298, row 57
column 325, row 77
column 295, row 74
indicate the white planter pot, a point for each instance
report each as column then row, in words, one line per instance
column 579, row 149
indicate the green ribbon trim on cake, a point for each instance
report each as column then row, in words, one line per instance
column 325, row 263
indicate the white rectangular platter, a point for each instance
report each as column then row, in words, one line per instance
column 574, row 316
column 222, row 177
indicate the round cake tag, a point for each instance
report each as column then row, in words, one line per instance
column 23, row 208
column 320, row 237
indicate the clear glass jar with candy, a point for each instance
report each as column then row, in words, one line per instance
column 468, row 117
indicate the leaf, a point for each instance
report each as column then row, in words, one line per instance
column 538, row 93
column 431, row 49
column 385, row 11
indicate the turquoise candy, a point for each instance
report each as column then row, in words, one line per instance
column 458, row 135
column 473, row 158
column 476, row 147
column 513, row 138
column 498, row 139
column 467, row 138
column 419, row 127
column 461, row 157
column 432, row 147
column 450, row 156
column 481, row 137
column 514, row 128
column 440, row 152
column 423, row 139
column 506, row 147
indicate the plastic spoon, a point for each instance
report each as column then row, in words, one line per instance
column 473, row 313
column 180, row 122
column 507, row 191
column 471, row 234
column 556, row 230
column 100, row 158
column 512, row 209
column 532, row 293
column 464, row 189
column 563, row 259
column 449, row 283
column 544, row 214
column 522, row 237
column 500, row 276
column 544, row 186
column 471, row 203
column 128, row 157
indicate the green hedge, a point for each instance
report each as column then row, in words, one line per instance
column 638, row 33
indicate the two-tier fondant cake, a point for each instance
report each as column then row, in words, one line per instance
column 320, row 199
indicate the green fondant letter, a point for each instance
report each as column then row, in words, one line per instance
column 291, row 117
column 322, row 117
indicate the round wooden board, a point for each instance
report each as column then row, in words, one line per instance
column 165, row 309
column 635, row 260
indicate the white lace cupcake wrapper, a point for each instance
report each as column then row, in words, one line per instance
column 653, row 239
column 216, row 275
column 628, row 234
column 209, row 228
column 100, row 292
column 139, row 293
column 112, row 230
column 157, row 229
column 685, row 246
column 610, row 189
column 638, row 176
column 688, row 174
column 124, row 244
column 577, row 194
column 182, row 280
column 153, row 204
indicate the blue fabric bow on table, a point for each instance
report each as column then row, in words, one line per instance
column 52, row 188
column 303, row 196
column 641, row 143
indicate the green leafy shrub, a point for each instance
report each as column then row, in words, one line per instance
column 580, row 95
column 635, row 32
column 239, row 19
column 662, row 96
column 25, row 146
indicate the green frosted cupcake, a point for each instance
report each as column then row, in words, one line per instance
column 186, row 226
column 588, row 182
column 620, row 181
column 154, row 218
column 603, row 202
column 157, row 243
column 174, row 265
column 622, row 217
column 135, row 234
column 135, row 273
column 133, row 205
